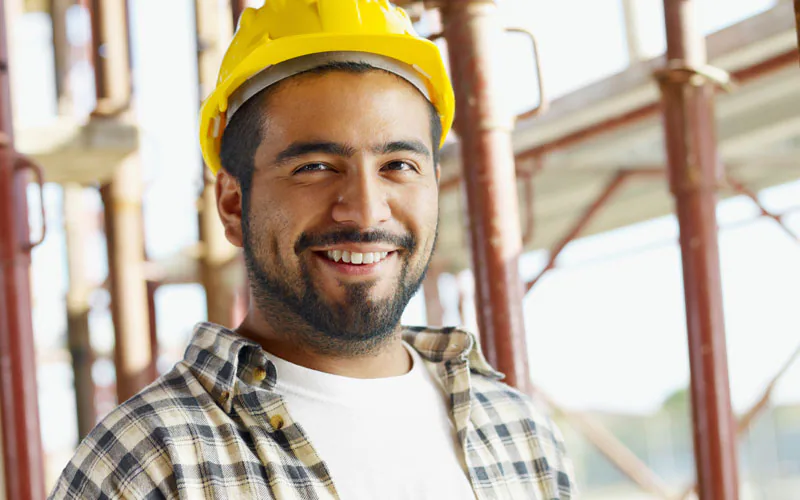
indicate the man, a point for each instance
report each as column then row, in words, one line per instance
column 324, row 133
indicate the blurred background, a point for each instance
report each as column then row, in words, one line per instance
column 105, row 98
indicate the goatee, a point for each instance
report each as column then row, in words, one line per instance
column 356, row 326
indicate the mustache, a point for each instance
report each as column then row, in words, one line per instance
column 351, row 235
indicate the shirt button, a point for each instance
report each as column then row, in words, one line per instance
column 276, row 422
column 224, row 397
column 259, row 374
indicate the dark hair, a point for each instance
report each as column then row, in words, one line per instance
column 245, row 131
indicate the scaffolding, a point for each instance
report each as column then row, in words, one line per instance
column 492, row 171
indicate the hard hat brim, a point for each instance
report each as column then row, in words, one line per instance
column 423, row 55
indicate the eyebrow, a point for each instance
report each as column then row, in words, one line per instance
column 411, row 146
column 299, row 149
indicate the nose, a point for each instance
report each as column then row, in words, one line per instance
column 363, row 201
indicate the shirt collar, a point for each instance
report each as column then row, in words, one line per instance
column 440, row 345
column 218, row 357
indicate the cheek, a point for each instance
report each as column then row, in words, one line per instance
column 421, row 214
column 267, row 230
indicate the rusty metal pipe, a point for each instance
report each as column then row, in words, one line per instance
column 741, row 76
column 797, row 19
column 110, row 55
column 22, row 447
column 588, row 216
column 488, row 164
column 740, row 188
column 78, row 309
column 695, row 171
column 609, row 446
column 605, row 195
column 122, row 200
column 530, row 217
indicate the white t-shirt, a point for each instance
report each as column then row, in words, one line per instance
column 389, row 438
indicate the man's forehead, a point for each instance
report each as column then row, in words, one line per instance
column 360, row 114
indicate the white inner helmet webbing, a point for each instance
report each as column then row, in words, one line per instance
column 274, row 74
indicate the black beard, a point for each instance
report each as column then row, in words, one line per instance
column 359, row 326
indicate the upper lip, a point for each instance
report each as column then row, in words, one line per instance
column 357, row 248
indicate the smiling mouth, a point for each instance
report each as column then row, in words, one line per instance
column 355, row 258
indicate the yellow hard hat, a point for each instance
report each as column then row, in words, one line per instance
column 283, row 32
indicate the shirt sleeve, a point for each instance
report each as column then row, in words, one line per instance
column 562, row 464
column 121, row 461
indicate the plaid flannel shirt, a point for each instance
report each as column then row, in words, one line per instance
column 213, row 427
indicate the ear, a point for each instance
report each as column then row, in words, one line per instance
column 229, row 207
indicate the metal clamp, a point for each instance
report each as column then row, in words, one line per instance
column 543, row 102
column 22, row 163
column 677, row 70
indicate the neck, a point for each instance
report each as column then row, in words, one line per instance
column 388, row 359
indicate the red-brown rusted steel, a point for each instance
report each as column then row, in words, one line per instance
column 129, row 311
column 530, row 217
column 695, row 172
column 740, row 188
column 78, row 309
column 22, row 447
column 742, row 75
column 797, row 19
column 611, row 188
column 152, row 288
column 609, row 446
column 484, row 128
column 96, row 18
column 588, row 216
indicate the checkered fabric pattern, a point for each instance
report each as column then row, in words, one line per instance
column 213, row 428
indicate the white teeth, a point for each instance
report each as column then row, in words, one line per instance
column 335, row 255
column 356, row 257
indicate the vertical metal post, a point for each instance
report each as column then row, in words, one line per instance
column 22, row 447
column 122, row 200
column 216, row 275
column 797, row 19
column 78, row 309
column 152, row 288
column 484, row 129
column 111, row 55
column 695, row 171
column 62, row 51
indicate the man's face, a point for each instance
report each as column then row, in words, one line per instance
column 345, row 173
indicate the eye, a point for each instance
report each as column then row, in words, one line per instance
column 312, row 167
column 400, row 166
